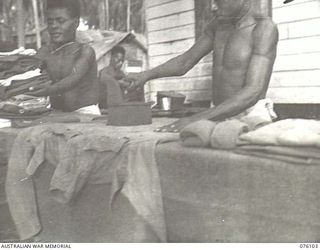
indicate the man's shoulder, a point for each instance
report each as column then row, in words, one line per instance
column 85, row 46
column 265, row 25
column 265, row 36
column 106, row 71
column 211, row 28
column 43, row 52
column 86, row 49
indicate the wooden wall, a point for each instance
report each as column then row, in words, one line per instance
column 171, row 31
column 296, row 77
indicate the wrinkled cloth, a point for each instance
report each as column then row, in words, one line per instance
column 289, row 132
column 295, row 155
column 280, row 157
column 137, row 178
column 50, row 118
column 225, row 134
column 80, row 155
column 303, row 152
column 68, row 151
column 197, row 134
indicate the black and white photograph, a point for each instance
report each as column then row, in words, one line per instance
column 159, row 121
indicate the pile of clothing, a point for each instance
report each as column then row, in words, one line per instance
column 225, row 134
column 81, row 155
column 20, row 72
column 294, row 141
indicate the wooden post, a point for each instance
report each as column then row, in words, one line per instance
column 20, row 23
column 36, row 22
column 106, row 9
column 102, row 15
column 143, row 17
column 42, row 17
column 128, row 14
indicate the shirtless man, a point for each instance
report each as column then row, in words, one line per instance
column 71, row 66
column 113, row 89
column 244, row 46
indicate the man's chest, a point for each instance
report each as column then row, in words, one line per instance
column 233, row 48
column 59, row 66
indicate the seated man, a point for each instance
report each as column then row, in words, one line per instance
column 112, row 88
column 71, row 66
column 244, row 46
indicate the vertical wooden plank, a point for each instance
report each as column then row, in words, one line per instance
column 102, row 15
column 106, row 7
column 128, row 15
column 20, row 24
column 36, row 22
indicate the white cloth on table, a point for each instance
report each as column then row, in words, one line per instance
column 89, row 110
column 27, row 75
column 20, row 51
column 288, row 132
column 225, row 134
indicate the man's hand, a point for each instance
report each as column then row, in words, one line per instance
column 137, row 80
column 124, row 84
column 40, row 90
column 177, row 126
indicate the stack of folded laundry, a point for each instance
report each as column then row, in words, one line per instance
column 291, row 140
column 24, row 106
column 225, row 134
column 17, row 64
column 20, row 72
column 294, row 141
column 220, row 135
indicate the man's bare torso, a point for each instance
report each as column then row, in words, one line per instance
column 233, row 48
column 59, row 65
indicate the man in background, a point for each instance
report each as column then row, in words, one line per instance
column 112, row 87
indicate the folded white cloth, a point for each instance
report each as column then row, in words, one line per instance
column 5, row 123
column 289, row 132
column 27, row 75
column 260, row 114
column 225, row 134
column 91, row 110
column 20, row 51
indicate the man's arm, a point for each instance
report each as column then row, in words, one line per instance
column 80, row 69
column 176, row 66
column 265, row 38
